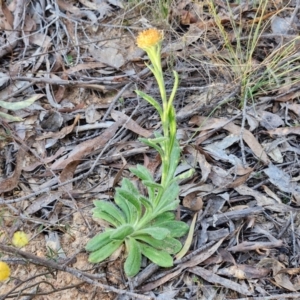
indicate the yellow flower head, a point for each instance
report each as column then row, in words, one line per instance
column 4, row 271
column 149, row 38
column 20, row 239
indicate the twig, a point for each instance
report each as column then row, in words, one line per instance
column 274, row 297
column 285, row 227
column 119, row 94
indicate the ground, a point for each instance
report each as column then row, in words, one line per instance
column 75, row 67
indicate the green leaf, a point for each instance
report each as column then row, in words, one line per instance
column 158, row 233
column 104, row 251
column 122, row 232
column 142, row 172
column 153, row 145
column 169, row 244
column 152, row 101
column 161, row 258
column 131, row 197
column 174, row 89
column 158, row 140
column 146, row 202
column 110, row 209
column 129, row 186
column 10, row 117
column 170, row 195
column 97, row 213
column 153, row 184
column 20, row 104
column 128, row 209
column 171, row 206
column 174, row 159
column 134, row 259
column 166, row 216
column 98, row 241
column 132, row 210
column 176, row 228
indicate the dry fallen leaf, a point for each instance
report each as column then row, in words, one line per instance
column 10, row 183
column 222, row 123
column 86, row 147
column 129, row 123
column 193, row 202
column 244, row 272
column 281, row 279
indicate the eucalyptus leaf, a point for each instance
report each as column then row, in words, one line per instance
column 184, row 175
column 10, row 117
column 20, row 104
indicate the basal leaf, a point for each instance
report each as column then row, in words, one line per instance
column 158, row 233
column 168, row 244
column 129, row 186
column 176, row 228
column 125, row 206
column 121, row 232
column 169, row 207
column 98, row 241
column 98, row 213
column 169, row 196
column 134, row 259
column 111, row 209
column 131, row 211
column 131, row 197
column 144, row 174
column 146, row 202
column 105, row 251
column 166, row 216
column 161, row 258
